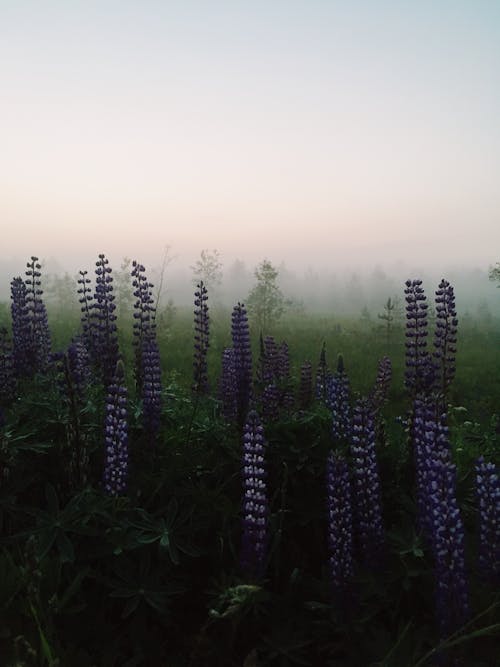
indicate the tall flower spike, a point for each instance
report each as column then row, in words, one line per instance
column 447, row 541
column 366, row 482
column 445, row 337
column 201, row 339
column 151, row 387
column 337, row 399
column 228, row 388
column 87, row 319
column 419, row 371
column 21, row 336
column 340, row 546
column 106, row 339
column 116, row 435
column 39, row 327
column 430, row 436
column 143, row 316
column 255, row 502
column 242, row 359
column 147, row 353
column 488, row 496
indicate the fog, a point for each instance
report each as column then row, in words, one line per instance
column 359, row 291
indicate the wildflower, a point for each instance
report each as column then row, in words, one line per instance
column 201, row 339
column 488, row 496
column 340, row 547
column 255, row 502
column 116, row 435
column 366, row 481
column 242, row 359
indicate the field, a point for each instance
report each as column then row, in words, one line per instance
column 126, row 534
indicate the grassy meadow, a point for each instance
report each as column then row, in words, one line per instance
column 153, row 576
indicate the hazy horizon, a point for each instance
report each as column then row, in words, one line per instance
column 316, row 134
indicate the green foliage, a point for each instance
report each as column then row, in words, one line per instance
column 266, row 302
column 494, row 274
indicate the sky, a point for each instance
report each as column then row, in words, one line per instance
column 338, row 133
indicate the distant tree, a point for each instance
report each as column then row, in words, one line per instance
column 494, row 274
column 208, row 268
column 388, row 316
column 266, row 302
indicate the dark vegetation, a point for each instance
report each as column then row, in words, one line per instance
column 121, row 491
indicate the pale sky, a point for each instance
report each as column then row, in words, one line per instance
column 314, row 132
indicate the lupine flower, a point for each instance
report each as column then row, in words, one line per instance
column 379, row 393
column 488, row 496
column 144, row 312
column 305, row 386
column 116, row 435
column 39, row 326
column 7, row 378
column 445, row 337
column 242, row 359
column 447, row 542
column 255, row 502
column 270, row 402
column 21, row 335
column 228, row 389
column 30, row 329
column 103, row 309
column 419, row 372
column 366, row 482
column 201, row 339
column 79, row 365
column 337, row 399
column 147, row 354
column 340, row 544
column 151, row 387
column 322, row 376
column 430, row 437
column 86, row 308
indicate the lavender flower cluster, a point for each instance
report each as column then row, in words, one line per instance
column 116, row 436
column 255, row 502
column 340, row 523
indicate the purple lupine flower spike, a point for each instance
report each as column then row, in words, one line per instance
column 228, row 388
column 488, row 496
column 419, row 371
column 337, row 399
column 242, row 358
column 340, row 543
column 445, row 337
column 201, row 339
column 255, row 501
column 103, row 309
column 40, row 343
column 447, row 543
column 87, row 316
column 21, row 339
column 147, row 353
column 116, row 435
column 366, row 482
